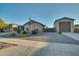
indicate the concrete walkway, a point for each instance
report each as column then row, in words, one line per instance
column 72, row 35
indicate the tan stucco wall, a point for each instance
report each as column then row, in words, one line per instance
column 56, row 25
column 33, row 26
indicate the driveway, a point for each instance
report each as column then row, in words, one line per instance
column 43, row 44
column 53, row 38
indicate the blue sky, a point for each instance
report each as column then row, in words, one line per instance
column 44, row 13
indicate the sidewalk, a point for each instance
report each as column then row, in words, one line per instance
column 72, row 35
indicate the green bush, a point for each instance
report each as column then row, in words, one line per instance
column 24, row 32
column 35, row 31
column 18, row 31
column 60, row 32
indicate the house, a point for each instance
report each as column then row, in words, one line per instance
column 20, row 27
column 76, row 28
column 31, row 25
column 11, row 27
column 64, row 24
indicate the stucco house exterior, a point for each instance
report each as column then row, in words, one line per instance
column 64, row 24
column 31, row 25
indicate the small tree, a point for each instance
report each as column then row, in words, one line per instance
column 2, row 23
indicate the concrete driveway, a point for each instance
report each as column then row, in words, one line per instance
column 53, row 38
column 43, row 44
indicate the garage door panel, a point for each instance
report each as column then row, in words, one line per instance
column 64, row 26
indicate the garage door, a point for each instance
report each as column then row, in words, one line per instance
column 64, row 26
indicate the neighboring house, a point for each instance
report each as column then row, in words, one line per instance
column 64, row 24
column 31, row 25
column 11, row 27
column 76, row 28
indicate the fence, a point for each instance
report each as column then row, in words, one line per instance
column 49, row 30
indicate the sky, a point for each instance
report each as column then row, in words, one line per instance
column 45, row 13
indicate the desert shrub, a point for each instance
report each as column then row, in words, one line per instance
column 1, row 30
column 35, row 31
column 24, row 32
